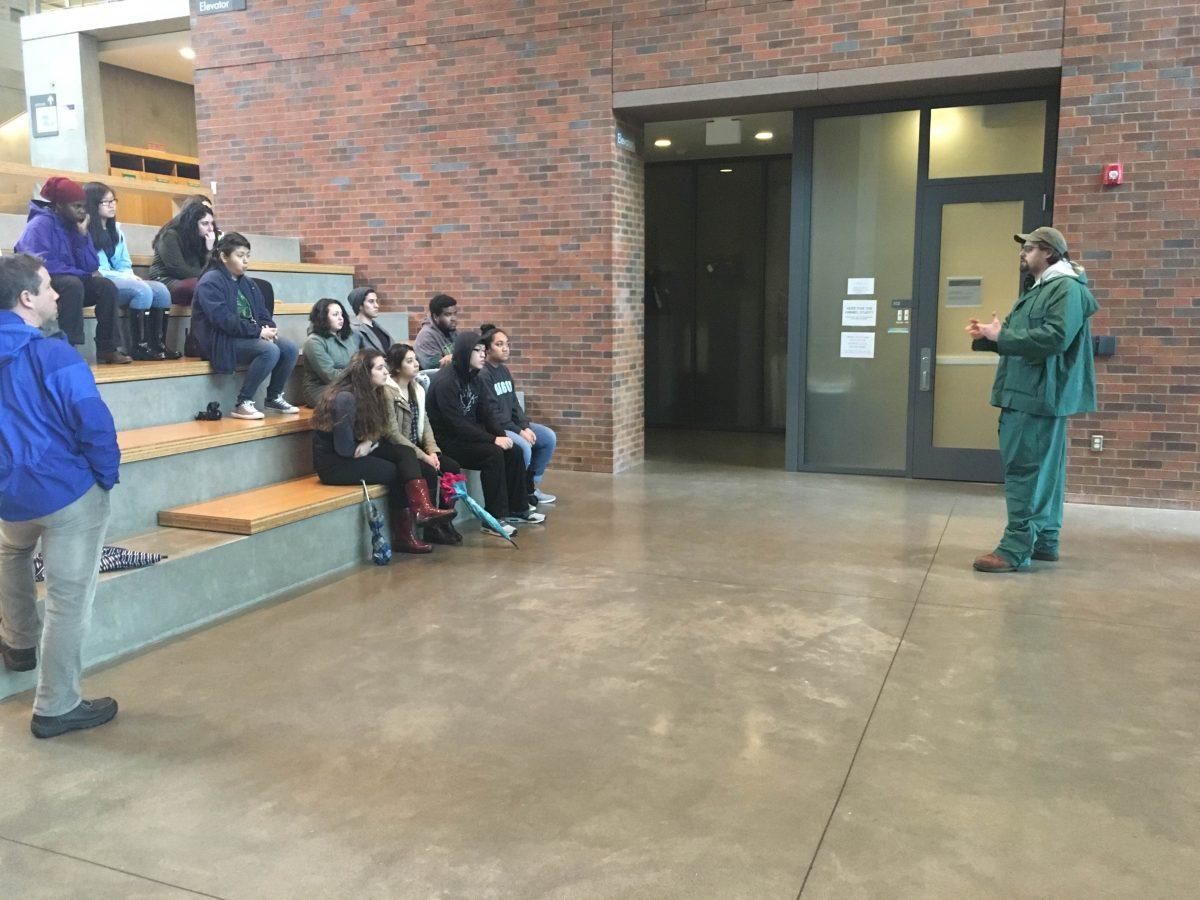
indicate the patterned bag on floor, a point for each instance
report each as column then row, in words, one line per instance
column 112, row 559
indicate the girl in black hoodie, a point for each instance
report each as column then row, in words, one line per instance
column 454, row 411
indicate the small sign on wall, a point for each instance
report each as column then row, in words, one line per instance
column 209, row 7
column 43, row 115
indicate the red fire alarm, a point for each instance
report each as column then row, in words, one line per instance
column 1113, row 175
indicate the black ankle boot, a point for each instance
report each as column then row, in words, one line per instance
column 138, row 326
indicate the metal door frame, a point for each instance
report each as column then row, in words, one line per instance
column 801, row 235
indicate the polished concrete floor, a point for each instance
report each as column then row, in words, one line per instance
column 702, row 679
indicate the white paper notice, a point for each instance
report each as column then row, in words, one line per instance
column 858, row 287
column 69, row 119
column 860, row 313
column 858, row 345
column 47, row 119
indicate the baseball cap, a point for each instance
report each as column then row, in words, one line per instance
column 1045, row 235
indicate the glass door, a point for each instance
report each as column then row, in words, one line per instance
column 970, row 269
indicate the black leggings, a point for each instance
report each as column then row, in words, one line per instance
column 389, row 464
column 73, row 295
column 502, row 473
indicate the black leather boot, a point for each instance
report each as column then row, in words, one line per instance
column 139, row 335
column 159, row 320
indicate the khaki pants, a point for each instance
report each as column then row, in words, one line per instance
column 72, row 539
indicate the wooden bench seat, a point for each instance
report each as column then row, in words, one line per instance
column 184, row 437
column 281, row 309
column 145, row 259
column 262, row 509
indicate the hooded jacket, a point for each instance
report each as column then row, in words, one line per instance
column 1045, row 345
column 215, row 320
column 325, row 355
column 453, row 398
column 118, row 264
column 64, row 251
column 432, row 344
column 57, row 437
column 501, row 410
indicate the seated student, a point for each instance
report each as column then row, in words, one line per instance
column 409, row 428
column 181, row 251
column 364, row 303
column 57, row 233
column 435, row 340
column 148, row 301
column 265, row 287
column 454, row 413
column 350, row 445
column 503, row 413
column 231, row 327
column 327, row 349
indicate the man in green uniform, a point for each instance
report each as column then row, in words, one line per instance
column 1045, row 374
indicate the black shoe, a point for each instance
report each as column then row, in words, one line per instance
column 88, row 714
column 18, row 660
column 442, row 533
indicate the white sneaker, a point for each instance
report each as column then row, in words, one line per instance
column 280, row 405
column 543, row 497
column 246, row 410
column 530, row 518
column 510, row 530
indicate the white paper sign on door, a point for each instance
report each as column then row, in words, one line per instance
column 858, row 313
column 858, row 345
column 859, row 287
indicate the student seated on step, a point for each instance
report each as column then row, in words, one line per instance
column 57, row 233
column 231, row 327
column 350, row 445
column 453, row 403
column 148, row 302
column 364, row 303
column 435, row 340
column 58, row 461
column 327, row 350
column 503, row 413
column 409, row 428
column 183, row 247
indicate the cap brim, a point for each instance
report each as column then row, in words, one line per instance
column 1020, row 238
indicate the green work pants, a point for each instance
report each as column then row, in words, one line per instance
column 1034, row 450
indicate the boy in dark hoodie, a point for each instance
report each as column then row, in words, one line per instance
column 435, row 340
column 503, row 414
column 453, row 406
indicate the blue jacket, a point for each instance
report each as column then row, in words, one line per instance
column 57, row 437
column 215, row 320
column 119, row 264
column 64, row 251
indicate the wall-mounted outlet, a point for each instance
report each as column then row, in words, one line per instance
column 1098, row 443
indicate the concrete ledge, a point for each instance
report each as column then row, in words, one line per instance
column 993, row 72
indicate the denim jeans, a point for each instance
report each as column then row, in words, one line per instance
column 140, row 295
column 537, row 456
column 276, row 358
column 72, row 539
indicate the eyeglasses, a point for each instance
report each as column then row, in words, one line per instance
column 112, row 202
column 1028, row 248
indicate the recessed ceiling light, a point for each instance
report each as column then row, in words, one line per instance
column 663, row 142
column 726, row 171
column 187, row 52
column 764, row 135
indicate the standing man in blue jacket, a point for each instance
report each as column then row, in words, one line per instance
column 58, row 461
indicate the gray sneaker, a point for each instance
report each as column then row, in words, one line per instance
column 246, row 410
column 543, row 497
column 280, row 405
column 510, row 530
column 529, row 518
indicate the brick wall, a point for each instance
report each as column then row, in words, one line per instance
column 1131, row 94
column 469, row 147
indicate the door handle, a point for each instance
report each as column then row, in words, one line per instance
column 926, row 368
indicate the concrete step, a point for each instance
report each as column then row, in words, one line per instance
column 210, row 576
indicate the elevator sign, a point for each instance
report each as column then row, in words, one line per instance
column 209, row 7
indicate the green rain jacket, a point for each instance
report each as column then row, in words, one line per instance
column 1045, row 346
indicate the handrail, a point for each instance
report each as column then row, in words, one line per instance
column 133, row 185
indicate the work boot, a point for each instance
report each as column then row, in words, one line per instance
column 404, row 534
column 88, row 714
column 138, row 326
column 159, row 320
column 113, row 357
column 993, row 563
column 18, row 660
column 417, row 492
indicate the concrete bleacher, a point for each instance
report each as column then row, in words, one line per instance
column 233, row 503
